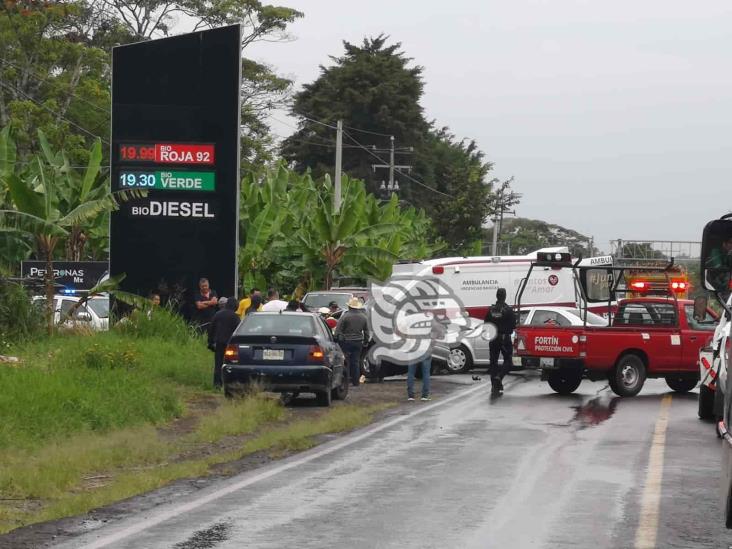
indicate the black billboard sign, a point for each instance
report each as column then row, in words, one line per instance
column 74, row 276
column 175, row 133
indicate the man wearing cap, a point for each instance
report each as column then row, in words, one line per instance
column 351, row 332
column 502, row 317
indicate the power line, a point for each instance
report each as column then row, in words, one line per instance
column 44, row 107
column 367, row 131
column 396, row 170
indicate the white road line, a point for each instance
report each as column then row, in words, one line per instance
column 305, row 458
column 645, row 536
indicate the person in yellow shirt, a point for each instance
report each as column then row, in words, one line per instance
column 245, row 303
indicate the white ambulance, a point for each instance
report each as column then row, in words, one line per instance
column 474, row 280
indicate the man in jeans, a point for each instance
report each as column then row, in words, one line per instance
column 425, row 363
column 351, row 332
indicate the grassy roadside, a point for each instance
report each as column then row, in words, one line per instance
column 90, row 420
column 83, row 472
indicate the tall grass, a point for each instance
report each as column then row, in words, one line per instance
column 68, row 384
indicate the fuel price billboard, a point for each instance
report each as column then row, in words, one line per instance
column 175, row 134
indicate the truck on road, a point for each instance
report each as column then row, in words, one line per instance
column 716, row 389
column 645, row 337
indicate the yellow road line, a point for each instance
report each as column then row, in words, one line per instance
column 645, row 536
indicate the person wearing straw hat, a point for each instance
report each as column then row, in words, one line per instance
column 351, row 332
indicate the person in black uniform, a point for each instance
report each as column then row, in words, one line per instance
column 223, row 324
column 501, row 315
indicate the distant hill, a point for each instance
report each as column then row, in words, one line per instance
column 520, row 236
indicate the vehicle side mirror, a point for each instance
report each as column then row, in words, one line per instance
column 700, row 308
column 716, row 256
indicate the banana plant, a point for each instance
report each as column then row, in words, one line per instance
column 46, row 206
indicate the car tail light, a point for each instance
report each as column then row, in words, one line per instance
column 727, row 348
column 438, row 269
column 231, row 354
column 316, row 354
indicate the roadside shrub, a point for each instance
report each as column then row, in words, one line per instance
column 100, row 358
column 20, row 318
column 160, row 322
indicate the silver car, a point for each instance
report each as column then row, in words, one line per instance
column 473, row 348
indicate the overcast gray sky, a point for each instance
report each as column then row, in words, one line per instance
column 614, row 117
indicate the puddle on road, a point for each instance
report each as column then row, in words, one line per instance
column 594, row 411
column 206, row 539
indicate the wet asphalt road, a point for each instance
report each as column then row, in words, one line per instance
column 528, row 469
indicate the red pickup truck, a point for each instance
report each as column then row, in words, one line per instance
column 649, row 337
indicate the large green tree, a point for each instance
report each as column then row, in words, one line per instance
column 55, row 65
column 374, row 87
column 51, row 78
column 371, row 87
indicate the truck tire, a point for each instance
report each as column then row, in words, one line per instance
column 564, row 382
column 460, row 360
column 706, row 403
column 628, row 376
column 681, row 384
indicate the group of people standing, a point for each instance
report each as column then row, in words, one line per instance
column 221, row 316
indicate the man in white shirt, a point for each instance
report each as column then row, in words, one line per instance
column 274, row 303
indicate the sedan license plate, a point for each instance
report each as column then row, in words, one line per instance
column 546, row 362
column 273, row 354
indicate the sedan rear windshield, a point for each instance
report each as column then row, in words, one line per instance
column 316, row 301
column 298, row 324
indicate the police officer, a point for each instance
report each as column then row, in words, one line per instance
column 501, row 315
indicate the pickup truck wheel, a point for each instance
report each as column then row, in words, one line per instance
column 681, row 384
column 460, row 360
column 564, row 383
column 706, row 403
column 628, row 376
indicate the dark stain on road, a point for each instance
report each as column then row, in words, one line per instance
column 206, row 539
column 595, row 411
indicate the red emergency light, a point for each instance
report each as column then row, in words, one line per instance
column 438, row 269
column 678, row 286
column 639, row 285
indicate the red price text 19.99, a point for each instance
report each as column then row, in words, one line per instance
column 137, row 153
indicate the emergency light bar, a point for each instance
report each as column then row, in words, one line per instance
column 556, row 259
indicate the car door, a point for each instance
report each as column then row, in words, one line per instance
column 695, row 336
column 660, row 334
column 479, row 344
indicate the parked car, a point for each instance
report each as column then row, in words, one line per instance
column 315, row 300
column 287, row 352
column 473, row 349
column 94, row 313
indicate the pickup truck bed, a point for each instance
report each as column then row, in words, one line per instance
column 650, row 337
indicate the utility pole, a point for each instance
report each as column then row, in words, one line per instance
column 338, row 167
column 505, row 199
column 393, row 186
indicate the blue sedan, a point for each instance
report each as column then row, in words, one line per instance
column 286, row 352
